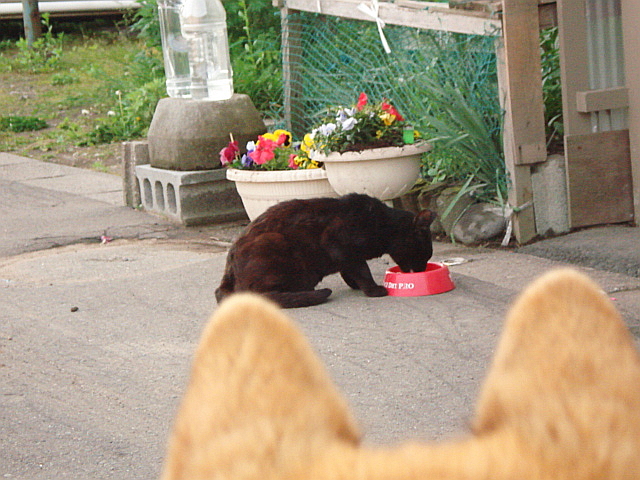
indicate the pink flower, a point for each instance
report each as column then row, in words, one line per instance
column 264, row 151
column 292, row 161
column 228, row 153
column 362, row 101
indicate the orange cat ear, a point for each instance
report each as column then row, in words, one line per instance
column 256, row 390
column 564, row 356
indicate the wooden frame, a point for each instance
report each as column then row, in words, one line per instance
column 630, row 19
column 516, row 25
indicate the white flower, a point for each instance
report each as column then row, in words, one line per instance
column 111, row 113
column 349, row 123
column 344, row 114
column 326, row 129
column 84, row 111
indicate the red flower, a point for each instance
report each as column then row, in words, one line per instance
column 282, row 139
column 362, row 101
column 264, row 151
column 228, row 153
column 391, row 110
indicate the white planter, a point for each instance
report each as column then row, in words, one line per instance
column 384, row 173
column 261, row 189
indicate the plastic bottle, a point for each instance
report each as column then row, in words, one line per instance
column 175, row 49
column 196, row 49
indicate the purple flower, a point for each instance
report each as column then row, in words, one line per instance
column 246, row 161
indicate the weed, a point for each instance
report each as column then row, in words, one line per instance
column 45, row 52
column 551, row 84
column 99, row 166
column 18, row 124
column 132, row 115
column 63, row 79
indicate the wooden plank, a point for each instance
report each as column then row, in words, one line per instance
column 548, row 15
column 574, row 63
column 443, row 19
column 630, row 22
column 603, row 99
column 522, row 82
column 599, row 178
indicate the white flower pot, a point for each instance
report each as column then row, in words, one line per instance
column 261, row 189
column 384, row 173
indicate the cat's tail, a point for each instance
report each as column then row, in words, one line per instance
column 299, row 299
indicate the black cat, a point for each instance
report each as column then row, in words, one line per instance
column 285, row 252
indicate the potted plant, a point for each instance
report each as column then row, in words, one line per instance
column 367, row 148
column 273, row 170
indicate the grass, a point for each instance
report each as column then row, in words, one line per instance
column 73, row 96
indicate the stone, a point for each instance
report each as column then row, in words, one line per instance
column 187, row 135
column 444, row 199
column 549, row 185
column 480, row 222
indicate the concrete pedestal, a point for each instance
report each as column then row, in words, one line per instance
column 191, row 198
column 187, row 135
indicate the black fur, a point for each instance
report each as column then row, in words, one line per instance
column 285, row 252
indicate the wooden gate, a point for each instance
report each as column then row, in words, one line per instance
column 595, row 101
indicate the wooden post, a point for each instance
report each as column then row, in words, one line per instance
column 630, row 22
column 31, row 20
column 520, row 79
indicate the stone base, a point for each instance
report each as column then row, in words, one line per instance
column 190, row 198
column 187, row 135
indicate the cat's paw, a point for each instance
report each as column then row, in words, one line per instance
column 376, row 291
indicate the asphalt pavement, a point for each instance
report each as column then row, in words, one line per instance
column 101, row 307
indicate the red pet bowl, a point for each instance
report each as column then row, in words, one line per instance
column 435, row 279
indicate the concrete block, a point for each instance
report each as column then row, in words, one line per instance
column 190, row 198
column 188, row 135
column 550, row 200
column 133, row 154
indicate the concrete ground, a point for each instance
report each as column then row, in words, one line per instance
column 96, row 338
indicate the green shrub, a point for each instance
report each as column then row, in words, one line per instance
column 45, row 52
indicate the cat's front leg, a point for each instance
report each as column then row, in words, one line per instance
column 358, row 276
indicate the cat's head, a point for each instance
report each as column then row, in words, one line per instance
column 412, row 249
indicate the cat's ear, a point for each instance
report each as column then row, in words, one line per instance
column 423, row 220
column 258, row 394
column 564, row 344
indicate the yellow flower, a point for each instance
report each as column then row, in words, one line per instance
column 379, row 134
column 307, row 143
column 387, row 118
column 275, row 136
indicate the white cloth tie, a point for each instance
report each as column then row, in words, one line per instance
column 372, row 11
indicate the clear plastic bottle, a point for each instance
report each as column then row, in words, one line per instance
column 174, row 49
column 196, row 49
